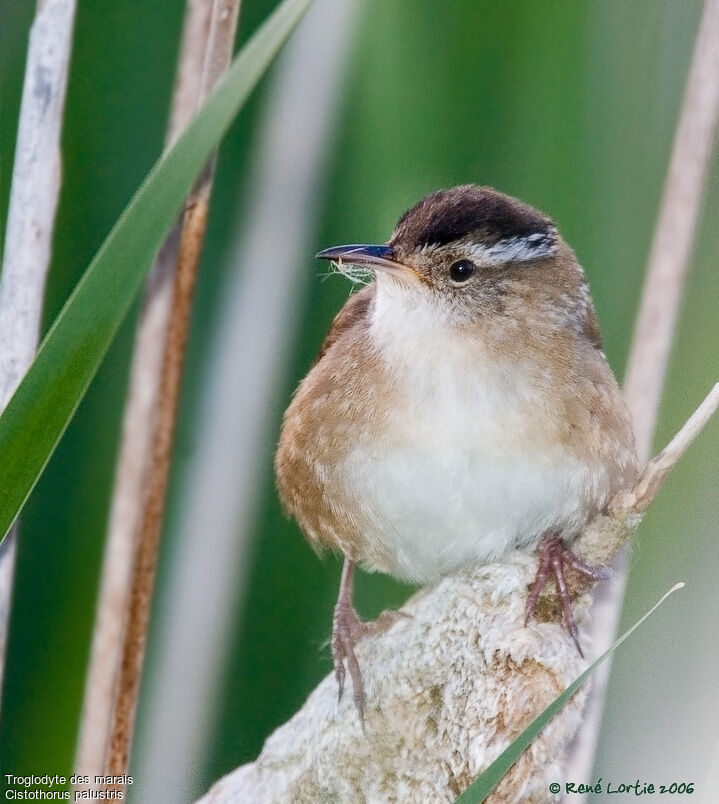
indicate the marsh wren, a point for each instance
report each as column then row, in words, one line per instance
column 460, row 408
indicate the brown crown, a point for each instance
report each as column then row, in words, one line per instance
column 468, row 210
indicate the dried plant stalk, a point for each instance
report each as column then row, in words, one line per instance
column 148, row 428
column 217, row 58
column 139, row 420
column 674, row 233
column 34, row 195
column 667, row 268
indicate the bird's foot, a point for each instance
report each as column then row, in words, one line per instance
column 554, row 557
column 347, row 631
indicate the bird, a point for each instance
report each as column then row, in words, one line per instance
column 460, row 408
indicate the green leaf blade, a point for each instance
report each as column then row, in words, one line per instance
column 48, row 396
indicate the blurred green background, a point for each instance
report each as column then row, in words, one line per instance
column 570, row 106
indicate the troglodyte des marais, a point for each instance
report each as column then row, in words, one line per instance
column 460, row 408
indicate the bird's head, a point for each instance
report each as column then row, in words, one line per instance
column 473, row 251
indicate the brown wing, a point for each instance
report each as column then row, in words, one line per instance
column 354, row 311
column 591, row 328
column 588, row 321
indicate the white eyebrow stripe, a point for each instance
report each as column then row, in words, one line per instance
column 517, row 249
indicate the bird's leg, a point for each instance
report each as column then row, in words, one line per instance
column 347, row 630
column 554, row 556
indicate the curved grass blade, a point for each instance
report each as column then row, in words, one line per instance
column 484, row 784
column 46, row 399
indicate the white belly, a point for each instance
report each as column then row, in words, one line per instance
column 428, row 511
column 468, row 467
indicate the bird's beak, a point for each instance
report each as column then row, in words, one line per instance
column 376, row 257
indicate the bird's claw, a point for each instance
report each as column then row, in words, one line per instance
column 554, row 556
column 347, row 631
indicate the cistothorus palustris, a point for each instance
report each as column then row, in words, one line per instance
column 461, row 406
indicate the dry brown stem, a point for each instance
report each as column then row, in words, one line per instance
column 674, row 232
column 654, row 331
column 146, row 540
column 136, row 444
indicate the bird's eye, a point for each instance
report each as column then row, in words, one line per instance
column 462, row 270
